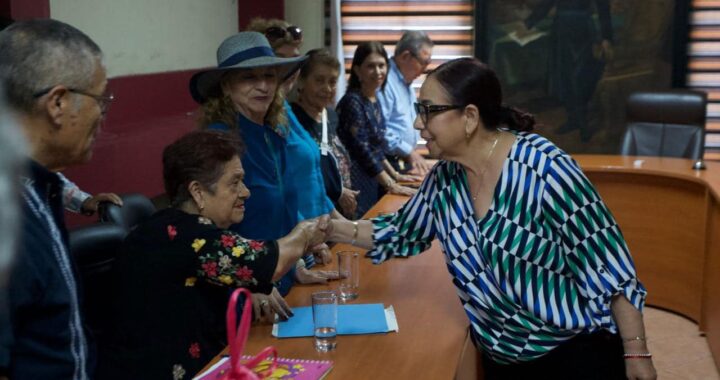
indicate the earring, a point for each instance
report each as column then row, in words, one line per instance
column 467, row 135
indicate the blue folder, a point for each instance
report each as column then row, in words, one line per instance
column 352, row 319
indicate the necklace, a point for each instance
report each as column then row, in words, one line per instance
column 484, row 169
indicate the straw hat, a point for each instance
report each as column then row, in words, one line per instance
column 245, row 50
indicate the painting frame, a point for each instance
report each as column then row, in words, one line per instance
column 649, row 43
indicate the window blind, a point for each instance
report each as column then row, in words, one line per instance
column 449, row 23
column 704, row 66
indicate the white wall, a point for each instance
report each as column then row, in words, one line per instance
column 310, row 16
column 148, row 36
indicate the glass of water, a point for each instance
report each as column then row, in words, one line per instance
column 324, row 307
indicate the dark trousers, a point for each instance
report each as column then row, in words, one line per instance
column 596, row 356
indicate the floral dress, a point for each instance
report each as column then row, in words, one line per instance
column 174, row 279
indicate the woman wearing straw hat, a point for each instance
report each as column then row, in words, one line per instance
column 282, row 163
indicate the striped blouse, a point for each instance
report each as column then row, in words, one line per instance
column 539, row 268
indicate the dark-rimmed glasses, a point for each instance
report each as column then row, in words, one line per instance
column 275, row 33
column 423, row 62
column 425, row 110
column 103, row 101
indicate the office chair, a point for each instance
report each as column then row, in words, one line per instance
column 136, row 209
column 95, row 248
column 666, row 124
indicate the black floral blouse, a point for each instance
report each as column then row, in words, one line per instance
column 174, row 279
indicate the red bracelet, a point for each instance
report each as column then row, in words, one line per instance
column 638, row 356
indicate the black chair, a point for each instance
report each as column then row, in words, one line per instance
column 95, row 248
column 136, row 208
column 666, row 124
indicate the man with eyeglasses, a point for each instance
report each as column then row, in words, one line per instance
column 54, row 81
column 411, row 58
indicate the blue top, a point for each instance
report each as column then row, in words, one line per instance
column 397, row 101
column 284, row 178
column 539, row 268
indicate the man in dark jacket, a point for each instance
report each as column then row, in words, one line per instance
column 54, row 80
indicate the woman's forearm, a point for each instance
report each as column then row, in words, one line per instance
column 390, row 169
column 290, row 248
column 630, row 325
column 358, row 233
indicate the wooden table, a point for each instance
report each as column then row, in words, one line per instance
column 433, row 326
column 670, row 217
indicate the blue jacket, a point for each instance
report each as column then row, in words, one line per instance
column 45, row 338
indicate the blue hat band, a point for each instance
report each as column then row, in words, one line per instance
column 259, row 51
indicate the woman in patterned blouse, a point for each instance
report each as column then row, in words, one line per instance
column 177, row 269
column 539, row 263
column 361, row 128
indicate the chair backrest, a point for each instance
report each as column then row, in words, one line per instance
column 136, row 209
column 668, row 124
column 95, row 248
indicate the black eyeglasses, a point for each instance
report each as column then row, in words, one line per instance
column 275, row 32
column 424, row 110
column 103, row 101
column 423, row 62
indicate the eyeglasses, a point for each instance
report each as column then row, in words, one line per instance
column 275, row 33
column 103, row 101
column 424, row 110
column 423, row 62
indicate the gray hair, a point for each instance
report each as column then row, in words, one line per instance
column 412, row 41
column 40, row 54
column 11, row 162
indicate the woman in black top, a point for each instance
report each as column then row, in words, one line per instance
column 178, row 268
column 316, row 89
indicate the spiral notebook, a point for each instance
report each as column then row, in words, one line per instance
column 296, row 369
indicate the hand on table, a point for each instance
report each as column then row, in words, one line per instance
column 322, row 253
column 265, row 306
column 307, row 276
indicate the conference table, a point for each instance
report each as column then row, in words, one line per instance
column 669, row 215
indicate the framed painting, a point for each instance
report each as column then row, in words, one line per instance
column 573, row 63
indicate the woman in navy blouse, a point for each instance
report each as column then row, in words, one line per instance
column 362, row 128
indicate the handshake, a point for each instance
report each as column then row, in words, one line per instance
column 314, row 231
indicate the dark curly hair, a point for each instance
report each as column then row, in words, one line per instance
column 197, row 156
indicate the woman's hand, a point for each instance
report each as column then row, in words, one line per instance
column 348, row 201
column 322, row 253
column 401, row 190
column 640, row 369
column 266, row 306
column 307, row 276
column 313, row 230
column 409, row 178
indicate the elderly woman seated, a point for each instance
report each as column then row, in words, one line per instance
column 178, row 268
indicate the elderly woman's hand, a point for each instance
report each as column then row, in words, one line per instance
column 265, row 306
column 348, row 201
column 398, row 189
column 322, row 253
column 307, row 276
column 313, row 230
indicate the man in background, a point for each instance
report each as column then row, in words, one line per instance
column 55, row 84
column 412, row 56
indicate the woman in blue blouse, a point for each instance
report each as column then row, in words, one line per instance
column 282, row 163
column 540, row 265
column 361, row 128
